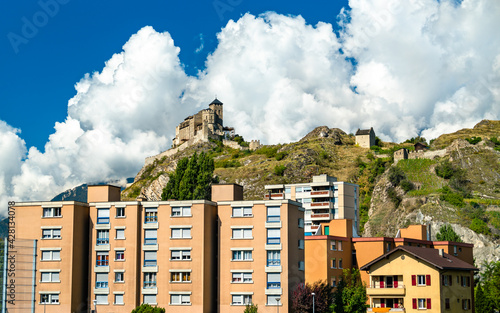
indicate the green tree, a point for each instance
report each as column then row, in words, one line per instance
column 482, row 304
column 445, row 170
column 446, row 233
column 251, row 308
column 350, row 295
column 480, row 226
column 302, row 300
column 490, row 282
column 192, row 179
column 146, row 308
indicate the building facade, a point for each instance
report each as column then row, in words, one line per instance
column 365, row 138
column 196, row 256
column 324, row 199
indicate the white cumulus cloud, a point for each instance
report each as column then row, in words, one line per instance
column 404, row 67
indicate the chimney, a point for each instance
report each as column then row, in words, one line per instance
column 441, row 252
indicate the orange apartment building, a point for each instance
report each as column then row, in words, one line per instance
column 194, row 256
column 61, row 261
column 328, row 255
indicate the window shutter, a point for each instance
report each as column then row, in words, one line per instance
column 450, row 280
column 381, row 282
column 382, row 305
column 414, row 280
column 414, row 303
column 428, row 280
column 395, row 281
column 428, row 303
column 468, row 304
column 468, row 281
column 442, row 280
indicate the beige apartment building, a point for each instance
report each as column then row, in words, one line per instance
column 61, row 261
column 196, row 256
column 324, row 199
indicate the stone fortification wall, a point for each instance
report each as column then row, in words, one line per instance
column 426, row 154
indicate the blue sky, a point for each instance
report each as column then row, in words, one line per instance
column 92, row 88
column 39, row 74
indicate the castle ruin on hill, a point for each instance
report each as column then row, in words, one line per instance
column 201, row 127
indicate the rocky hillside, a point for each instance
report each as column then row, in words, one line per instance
column 469, row 199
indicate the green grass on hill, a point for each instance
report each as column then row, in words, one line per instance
column 421, row 172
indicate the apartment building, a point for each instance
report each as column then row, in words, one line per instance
column 416, row 279
column 61, row 257
column 323, row 199
column 204, row 256
column 261, row 253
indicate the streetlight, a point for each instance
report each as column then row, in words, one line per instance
column 95, row 306
column 313, row 294
column 278, row 306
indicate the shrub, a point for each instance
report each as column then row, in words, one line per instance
column 445, row 170
column 251, row 308
column 393, row 195
column 268, row 151
column 407, row 185
column 323, row 155
column 281, row 155
column 279, row 170
column 480, row 226
column 473, row 140
column 446, row 233
column 454, row 199
column 239, row 139
column 227, row 163
column 395, row 175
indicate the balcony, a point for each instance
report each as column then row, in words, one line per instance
column 273, row 285
column 102, row 241
column 275, row 196
column 321, row 193
column 273, row 240
column 321, row 217
column 149, row 284
column 273, row 262
column 373, row 290
column 385, row 310
column 103, row 220
column 321, row 205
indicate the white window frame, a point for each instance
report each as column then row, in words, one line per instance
column 120, row 212
column 51, row 233
column 180, row 255
column 241, row 299
column 51, row 212
column 241, row 278
column 100, row 299
column 242, row 211
column 51, row 253
column 52, row 298
column 50, row 276
column 242, row 255
column 181, row 211
column 242, row 233
column 150, row 299
column 120, row 234
column 274, row 297
column 421, row 303
column 421, row 280
column 183, row 299
column 183, row 279
column 119, row 277
column 119, row 253
column 119, row 297
column 180, row 233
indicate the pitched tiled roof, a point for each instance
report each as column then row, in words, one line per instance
column 216, row 101
column 429, row 255
column 363, row 132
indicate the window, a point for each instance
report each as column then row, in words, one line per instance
column 119, row 277
column 241, row 299
column 49, row 298
column 102, row 258
column 340, row 263
column 101, row 280
column 288, row 190
column 455, row 251
column 49, row 277
column 421, row 304
column 180, row 255
column 273, row 300
column 333, row 245
column 273, row 258
column 150, row 258
column 466, row 304
column 465, row 281
column 180, row 299
column 119, row 255
column 301, row 244
column 301, row 265
column 180, row 277
column 181, row 233
column 118, row 299
column 273, row 214
column 333, row 263
column 102, row 237
column 421, row 280
column 103, row 217
column 273, row 236
column 333, row 281
column 446, row 280
column 52, row 233
column 242, row 212
column 52, row 212
column 447, row 303
column 242, row 278
column 120, row 234
column 242, row 255
column 149, row 299
column 120, row 212
column 242, row 233
column 340, row 245
column 51, row 255
column 181, row 211
column 149, row 280
column 301, row 223
column 150, row 237
column 388, row 247
column 101, row 299
column 273, row 281
column 151, row 215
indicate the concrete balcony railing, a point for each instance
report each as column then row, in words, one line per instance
column 321, row 205
column 321, row 193
column 321, row 217
column 275, row 196
column 385, row 310
column 377, row 291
